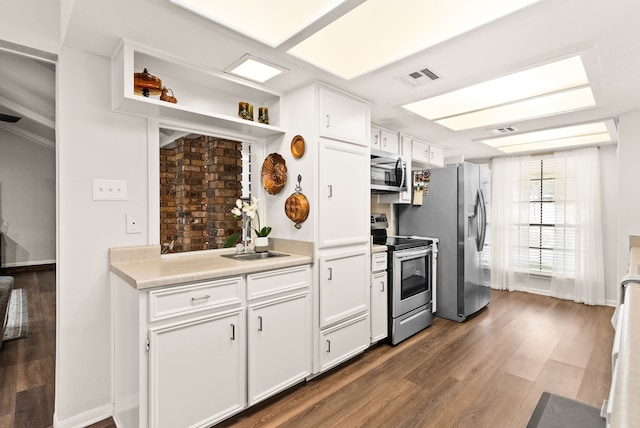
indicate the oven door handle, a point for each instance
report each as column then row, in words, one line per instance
column 408, row 254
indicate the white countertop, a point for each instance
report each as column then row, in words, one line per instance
column 143, row 267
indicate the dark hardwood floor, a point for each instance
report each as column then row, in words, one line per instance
column 27, row 365
column 486, row 372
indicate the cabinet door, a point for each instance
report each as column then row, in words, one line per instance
column 378, row 310
column 279, row 345
column 420, row 152
column 375, row 138
column 344, row 286
column 389, row 141
column 343, row 118
column 339, row 343
column 343, row 211
column 197, row 371
column 436, row 156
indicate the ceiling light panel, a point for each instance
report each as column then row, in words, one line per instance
column 556, row 76
column 270, row 22
column 556, row 138
column 379, row 32
column 546, row 105
column 254, row 69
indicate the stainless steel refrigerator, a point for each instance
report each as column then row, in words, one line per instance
column 456, row 211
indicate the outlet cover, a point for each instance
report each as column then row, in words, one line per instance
column 134, row 223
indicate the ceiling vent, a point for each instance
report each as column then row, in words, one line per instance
column 420, row 77
column 504, row 130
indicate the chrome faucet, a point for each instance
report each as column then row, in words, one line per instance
column 246, row 234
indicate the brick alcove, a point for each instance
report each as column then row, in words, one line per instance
column 200, row 180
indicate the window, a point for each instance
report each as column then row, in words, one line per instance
column 551, row 219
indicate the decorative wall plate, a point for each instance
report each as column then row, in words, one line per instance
column 297, row 146
column 274, row 173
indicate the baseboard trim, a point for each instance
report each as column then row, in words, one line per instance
column 84, row 419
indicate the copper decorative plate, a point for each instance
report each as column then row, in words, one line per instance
column 274, row 173
column 297, row 146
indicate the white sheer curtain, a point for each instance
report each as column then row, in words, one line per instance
column 578, row 275
column 510, row 189
column 576, row 262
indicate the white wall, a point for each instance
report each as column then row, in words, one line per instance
column 33, row 23
column 628, row 191
column 27, row 201
column 93, row 142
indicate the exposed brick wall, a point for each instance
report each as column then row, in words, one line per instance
column 196, row 211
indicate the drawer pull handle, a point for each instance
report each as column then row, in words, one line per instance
column 330, row 274
column 328, row 121
column 330, row 190
column 259, row 323
column 381, row 285
column 233, row 332
column 328, row 346
column 195, row 299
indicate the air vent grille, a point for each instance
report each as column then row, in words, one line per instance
column 420, row 77
column 504, row 130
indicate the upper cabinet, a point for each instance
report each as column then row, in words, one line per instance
column 203, row 96
column 384, row 139
column 426, row 155
column 343, row 118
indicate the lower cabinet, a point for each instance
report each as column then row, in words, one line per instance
column 192, row 355
column 343, row 341
column 279, row 345
column 196, row 371
column 379, row 303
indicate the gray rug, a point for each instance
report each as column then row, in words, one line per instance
column 555, row 411
column 18, row 322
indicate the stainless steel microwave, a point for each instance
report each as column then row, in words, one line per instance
column 388, row 172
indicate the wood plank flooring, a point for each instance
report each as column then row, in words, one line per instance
column 27, row 365
column 486, row 372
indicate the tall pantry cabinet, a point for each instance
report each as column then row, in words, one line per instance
column 335, row 179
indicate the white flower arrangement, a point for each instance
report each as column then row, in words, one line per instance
column 251, row 210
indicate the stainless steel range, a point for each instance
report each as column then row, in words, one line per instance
column 411, row 263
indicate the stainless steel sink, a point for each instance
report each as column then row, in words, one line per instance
column 254, row 256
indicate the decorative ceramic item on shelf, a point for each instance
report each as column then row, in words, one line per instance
column 263, row 115
column 146, row 84
column 245, row 110
column 297, row 146
column 274, row 173
column 296, row 207
column 164, row 96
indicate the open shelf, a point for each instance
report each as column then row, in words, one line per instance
column 205, row 97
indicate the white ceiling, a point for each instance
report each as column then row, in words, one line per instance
column 605, row 32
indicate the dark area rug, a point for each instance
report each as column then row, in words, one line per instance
column 18, row 316
column 555, row 411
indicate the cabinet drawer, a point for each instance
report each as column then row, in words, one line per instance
column 185, row 299
column 276, row 281
column 378, row 262
column 344, row 341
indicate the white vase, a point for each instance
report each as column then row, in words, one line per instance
column 261, row 243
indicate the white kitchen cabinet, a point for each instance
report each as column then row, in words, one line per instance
column 426, row 155
column 193, row 354
column 379, row 297
column 344, row 195
column 401, row 197
column 204, row 96
column 343, row 118
column 196, row 370
column 343, row 341
column 385, row 140
column 344, row 285
column 279, row 330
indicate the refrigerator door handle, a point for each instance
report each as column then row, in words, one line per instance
column 482, row 209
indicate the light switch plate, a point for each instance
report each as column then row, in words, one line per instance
column 109, row 190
